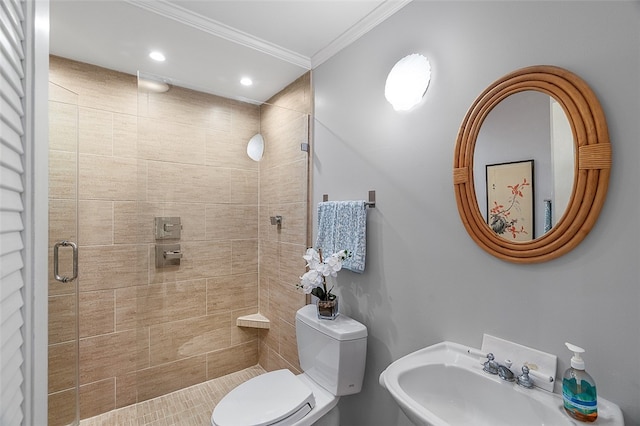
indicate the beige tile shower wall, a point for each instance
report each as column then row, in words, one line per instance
column 283, row 191
column 146, row 331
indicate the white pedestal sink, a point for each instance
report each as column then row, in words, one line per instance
column 444, row 385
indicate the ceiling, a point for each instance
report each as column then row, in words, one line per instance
column 210, row 44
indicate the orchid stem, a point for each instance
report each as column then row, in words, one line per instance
column 324, row 279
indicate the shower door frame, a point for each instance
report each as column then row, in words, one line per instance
column 67, row 245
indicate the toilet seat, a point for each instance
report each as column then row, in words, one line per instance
column 274, row 398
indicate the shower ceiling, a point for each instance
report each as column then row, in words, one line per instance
column 210, row 45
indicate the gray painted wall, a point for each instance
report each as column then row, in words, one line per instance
column 426, row 281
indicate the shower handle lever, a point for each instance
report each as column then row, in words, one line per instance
column 74, row 246
column 168, row 227
column 176, row 254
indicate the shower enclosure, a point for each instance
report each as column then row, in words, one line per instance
column 122, row 157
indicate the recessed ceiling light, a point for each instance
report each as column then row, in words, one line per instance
column 246, row 81
column 157, row 56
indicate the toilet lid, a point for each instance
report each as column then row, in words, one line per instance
column 263, row 400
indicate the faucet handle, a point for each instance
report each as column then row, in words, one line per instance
column 491, row 366
column 537, row 375
column 524, row 380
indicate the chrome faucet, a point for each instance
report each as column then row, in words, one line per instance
column 524, row 380
column 503, row 371
column 491, row 366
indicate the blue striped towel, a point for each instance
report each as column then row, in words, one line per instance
column 342, row 225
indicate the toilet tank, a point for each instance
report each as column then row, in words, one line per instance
column 332, row 352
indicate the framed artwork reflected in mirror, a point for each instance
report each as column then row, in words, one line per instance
column 510, row 201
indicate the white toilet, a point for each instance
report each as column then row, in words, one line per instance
column 332, row 356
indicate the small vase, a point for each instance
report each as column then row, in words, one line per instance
column 327, row 309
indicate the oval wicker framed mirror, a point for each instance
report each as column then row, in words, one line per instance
column 592, row 164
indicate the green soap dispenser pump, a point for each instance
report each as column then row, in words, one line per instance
column 579, row 389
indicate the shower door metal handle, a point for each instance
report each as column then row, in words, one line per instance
column 74, row 246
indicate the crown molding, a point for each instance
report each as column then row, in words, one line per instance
column 374, row 18
column 216, row 28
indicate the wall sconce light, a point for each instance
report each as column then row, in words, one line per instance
column 407, row 82
column 149, row 85
column 255, row 147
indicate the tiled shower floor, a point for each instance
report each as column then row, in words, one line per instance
column 187, row 407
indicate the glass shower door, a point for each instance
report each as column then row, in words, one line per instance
column 63, row 256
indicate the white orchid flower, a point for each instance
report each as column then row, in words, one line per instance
column 319, row 270
column 335, row 263
column 307, row 288
column 312, row 257
column 311, row 279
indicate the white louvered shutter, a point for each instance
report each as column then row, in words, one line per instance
column 12, row 76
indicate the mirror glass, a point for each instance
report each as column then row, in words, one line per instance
column 523, row 166
column 255, row 147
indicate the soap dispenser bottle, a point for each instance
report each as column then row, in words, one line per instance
column 579, row 389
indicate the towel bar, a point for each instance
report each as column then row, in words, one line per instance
column 371, row 203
